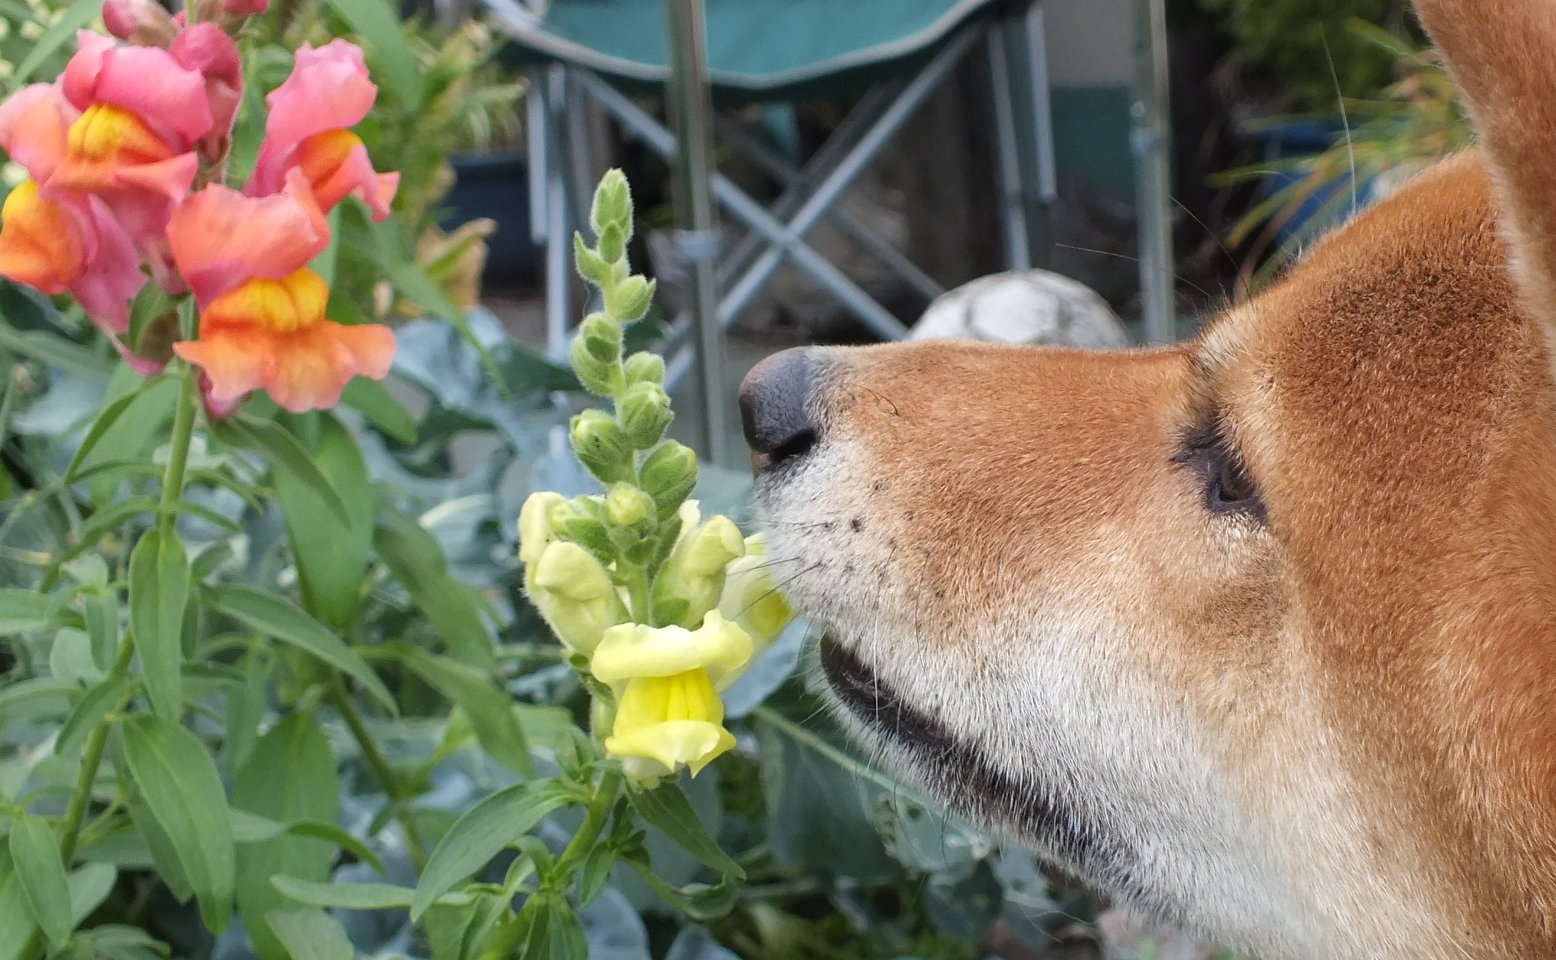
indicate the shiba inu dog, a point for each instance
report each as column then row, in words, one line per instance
column 1257, row 633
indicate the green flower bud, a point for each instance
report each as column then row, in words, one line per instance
column 601, row 445
column 602, row 336
column 612, row 204
column 591, row 266
column 645, row 413
column 696, row 568
column 645, row 367
column 629, row 508
column 613, row 244
column 629, row 299
column 597, row 376
column 668, row 475
column 582, row 520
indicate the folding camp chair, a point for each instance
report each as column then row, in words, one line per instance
column 775, row 51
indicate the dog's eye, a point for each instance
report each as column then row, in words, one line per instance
column 1229, row 487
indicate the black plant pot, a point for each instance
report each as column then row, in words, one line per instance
column 496, row 185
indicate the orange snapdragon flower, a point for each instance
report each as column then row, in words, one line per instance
column 262, row 323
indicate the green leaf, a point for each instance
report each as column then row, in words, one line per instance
column 331, row 556
column 285, row 455
column 483, row 832
column 163, row 854
column 159, row 590
column 183, row 792
column 117, row 942
column 308, row 933
column 551, row 929
column 35, row 851
column 102, row 625
column 97, row 704
column 63, row 30
column 290, row 776
column 24, row 610
column 70, row 658
column 275, row 617
column 665, row 807
column 252, row 828
column 100, row 427
column 90, row 884
column 36, row 697
column 595, row 872
column 699, row 901
column 375, row 21
column 488, row 706
column 417, row 562
column 15, row 918
column 137, row 431
column 54, row 350
column 245, row 710
column 357, row 896
column 375, row 402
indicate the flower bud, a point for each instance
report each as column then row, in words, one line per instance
column 645, row 413
column 613, row 244
column 591, row 266
column 751, row 598
column 668, row 475
column 582, row 520
column 612, row 204
column 629, row 299
column 645, row 367
column 575, row 595
column 144, row 23
column 602, row 337
column 535, row 530
column 627, row 507
column 694, row 573
column 598, row 377
column 601, row 445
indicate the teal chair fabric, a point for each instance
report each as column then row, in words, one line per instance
column 757, row 49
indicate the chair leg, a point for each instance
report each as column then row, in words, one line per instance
column 1007, row 155
column 1153, row 178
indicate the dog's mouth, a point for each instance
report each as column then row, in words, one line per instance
column 960, row 772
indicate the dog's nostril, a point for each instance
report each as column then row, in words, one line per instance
column 775, row 406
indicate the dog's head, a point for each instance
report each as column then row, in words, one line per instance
column 1257, row 633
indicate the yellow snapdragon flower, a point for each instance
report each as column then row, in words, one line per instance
column 693, row 576
column 751, row 598
column 666, row 680
column 570, row 588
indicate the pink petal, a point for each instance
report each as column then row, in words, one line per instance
column 34, row 128
column 144, row 23
column 329, row 89
column 220, row 238
column 207, row 49
column 245, row 8
column 146, row 81
column 113, row 275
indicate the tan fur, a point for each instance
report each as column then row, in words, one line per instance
column 1324, row 732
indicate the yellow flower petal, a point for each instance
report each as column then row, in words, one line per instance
column 632, row 650
column 751, row 598
column 574, row 594
column 535, row 526
column 672, row 720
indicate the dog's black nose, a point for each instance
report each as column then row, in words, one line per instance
column 775, row 406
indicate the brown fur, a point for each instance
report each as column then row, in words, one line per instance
column 1364, row 676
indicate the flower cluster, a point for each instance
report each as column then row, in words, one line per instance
column 664, row 608
column 124, row 207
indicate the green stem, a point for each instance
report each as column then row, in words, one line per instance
column 92, row 758
column 594, row 821
column 178, row 458
column 374, row 754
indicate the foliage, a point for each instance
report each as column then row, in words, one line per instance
column 1415, row 121
column 1291, row 46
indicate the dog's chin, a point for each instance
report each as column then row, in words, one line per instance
column 1039, row 814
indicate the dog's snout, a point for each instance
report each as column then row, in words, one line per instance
column 775, row 402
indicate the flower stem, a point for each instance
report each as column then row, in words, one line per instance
column 178, row 457
column 594, row 821
column 374, row 755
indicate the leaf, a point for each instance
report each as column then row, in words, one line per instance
column 55, row 351
column 90, row 884
column 70, row 658
column 138, row 430
column 97, row 704
column 483, row 832
column 102, row 625
column 699, row 901
column 308, row 933
column 551, row 929
column 375, row 402
column 275, row 617
column 488, row 706
column 245, row 710
column 159, row 590
column 357, row 896
column 665, row 807
column 183, row 793
column 417, row 562
column 285, row 455
column 331, row 555
column 100, row 427
column 120, row 943
column 384, row 38
column 35, row 852
column 595, row 872
column 35, row 697
column 24, row 610
column 63, row 30
column 290, row 776
column 15, row 919
column 157, row 843
column 253, row 828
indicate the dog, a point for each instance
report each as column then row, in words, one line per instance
column 1255, row 634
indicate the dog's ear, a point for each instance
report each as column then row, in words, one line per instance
column 1502, row 55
